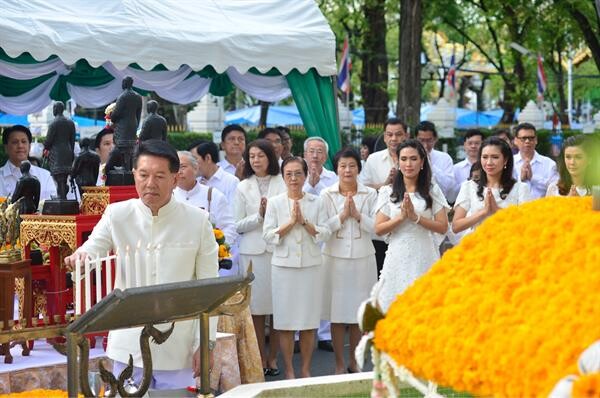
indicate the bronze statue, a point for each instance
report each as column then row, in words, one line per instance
column 60, row 142
column 85, row 167
column 126, row 118
column 28, row 187
column 154, row 126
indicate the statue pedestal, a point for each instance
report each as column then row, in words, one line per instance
column 119, row 178
column 59, row 207
column 95, row 199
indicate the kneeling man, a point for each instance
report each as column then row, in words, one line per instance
column 188, row 250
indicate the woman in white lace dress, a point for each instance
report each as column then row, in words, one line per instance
column 495, row 190
column 574, row 169
column 261, row 182
column 412, row 211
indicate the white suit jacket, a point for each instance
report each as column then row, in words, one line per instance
column 297, row 248
column 188, row 251
column 350, row 239
column 248, row 222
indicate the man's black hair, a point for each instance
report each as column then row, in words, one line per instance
column 17, row 127
column 208, row 148
column 473, row 132
column 102, row 133
column 269, row 130
column 525, row 126
column 426, row 126
column 394, row 121
column 230, row 128
column 194, row 144
column 158, row 148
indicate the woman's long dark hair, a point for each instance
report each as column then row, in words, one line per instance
column 267, row 148
column 423, row 180
column 565, row 181
column 506, row 179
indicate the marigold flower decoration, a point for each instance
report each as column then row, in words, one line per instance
column 509, row 310
column 224, row 249
column 39, row 393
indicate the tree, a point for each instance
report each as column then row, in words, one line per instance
column 409, row 64
column 586, row 14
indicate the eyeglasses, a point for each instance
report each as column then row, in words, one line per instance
column 235, row 139
column 315, row 151
column 291, row 175
column 527, row 138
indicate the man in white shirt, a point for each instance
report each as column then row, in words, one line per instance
column 212, row 200
column 381, row 167
column 472, row 142
column 210, row 173
column 319, row 178
column 233, row 142
column 441, row 163
column 535, row 170
column 17, row 143
column 188, row 248
column 275, row 137
column 315, row 154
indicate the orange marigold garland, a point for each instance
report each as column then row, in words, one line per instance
column 38, row 394
column 509, row 310
column 587, row 386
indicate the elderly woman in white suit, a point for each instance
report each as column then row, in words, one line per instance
column 349, row 255
column 295, row 224
column 261, row 182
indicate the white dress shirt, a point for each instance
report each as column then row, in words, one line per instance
column 543, row 173
column 228, row 167
column 377, row 168
column 223, row 181
column 219, row 211
column 326, row 179
column 188, row 251
column 461, row 172
column 442, row 171
column 10, row 175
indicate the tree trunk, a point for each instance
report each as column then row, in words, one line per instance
column 374, row 74
column 588, row 32
column 409, row 65
column 562, row 98
column 264, row 110
column 507, row 103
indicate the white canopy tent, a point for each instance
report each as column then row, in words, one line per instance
column 181, row 50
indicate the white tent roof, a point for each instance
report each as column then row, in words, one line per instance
column 285, row 34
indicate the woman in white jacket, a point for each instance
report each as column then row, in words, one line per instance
column 348, row 256
column 261, row 182
column 295, row 225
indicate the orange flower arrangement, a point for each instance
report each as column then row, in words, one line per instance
column 38, row 394
column 509, row 310
column 587, row 386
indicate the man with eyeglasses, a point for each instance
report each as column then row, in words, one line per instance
column 530, row 167
column 381, row 167
column 286, row 140
column 315, row 154
column 441, row 163
column 275, row 137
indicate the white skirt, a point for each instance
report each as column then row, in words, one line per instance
column 297, row 297
column 261, row 302
column 348, row 282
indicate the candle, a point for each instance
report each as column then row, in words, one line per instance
column 149, row 265
column 98, row 263
column 118, row 276
column 88, row 287
column 138, row 266
column 108, row 268
column 128, row 270
column 77, row 286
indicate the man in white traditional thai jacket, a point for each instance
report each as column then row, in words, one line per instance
column 188, row 251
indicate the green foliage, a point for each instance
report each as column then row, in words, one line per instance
column 182, row 140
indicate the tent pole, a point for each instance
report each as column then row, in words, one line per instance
column 334, row 92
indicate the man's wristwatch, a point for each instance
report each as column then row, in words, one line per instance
column 211, row 345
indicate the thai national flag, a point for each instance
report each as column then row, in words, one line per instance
column 541, row 78
column 451, row 78
column 344, row 71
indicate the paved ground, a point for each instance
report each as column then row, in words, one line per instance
column 323, row 364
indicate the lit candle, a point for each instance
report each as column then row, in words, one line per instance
column 108, row 268
column 149, row 265
column 77, row 286
column 138, row 265
column 128, row 269
column 88, row 287
column 118, row 276
column 98, row 263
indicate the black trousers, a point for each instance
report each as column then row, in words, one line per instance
column 380, row 249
